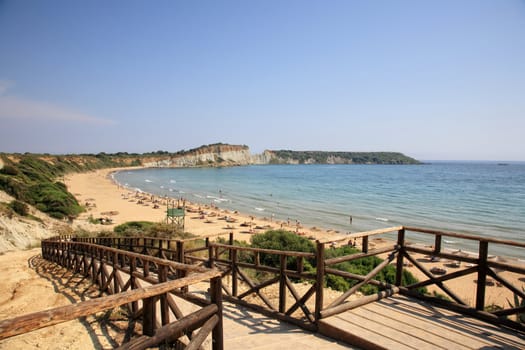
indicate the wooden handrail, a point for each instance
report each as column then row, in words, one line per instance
column 41, row 319
column 363, row 234
column 266, row 251
column 465, row 236
column 174, row 264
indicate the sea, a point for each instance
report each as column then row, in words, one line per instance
column 479, row 198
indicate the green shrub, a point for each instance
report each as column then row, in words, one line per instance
column 165, row 230
column 53, row 199
column 132, row 227
column 362, row 267
column 283, row 240
column 150, row 229
column 13, row 186
column 9, row 170
column 19, row 207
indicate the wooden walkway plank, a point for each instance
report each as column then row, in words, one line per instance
column 412, row 327
column 381, row 331
column 420, row 325
column 403, row 323
column 473, row 328
column 245, row 329
column 363, row 337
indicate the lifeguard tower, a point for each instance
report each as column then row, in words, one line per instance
column 175, row 216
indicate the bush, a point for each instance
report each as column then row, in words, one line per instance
column 9, row 170
column 283, row 240
column 362, row 267
column 131, row 228
column 19, row 207
column 150, row 229
column 53, row 199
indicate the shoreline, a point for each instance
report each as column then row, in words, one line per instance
column 104, row 195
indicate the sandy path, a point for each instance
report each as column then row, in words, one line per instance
column 30, row 284
column 24, row 291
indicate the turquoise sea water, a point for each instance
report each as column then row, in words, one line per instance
column 486, row 199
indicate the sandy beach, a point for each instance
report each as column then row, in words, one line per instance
column 107, row 199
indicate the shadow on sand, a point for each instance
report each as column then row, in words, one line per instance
column 106, row 329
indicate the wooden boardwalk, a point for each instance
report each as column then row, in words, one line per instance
column 401, row 323
column 151, row 275
column 245, row 329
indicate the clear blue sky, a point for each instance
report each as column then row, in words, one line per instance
column 432, row 79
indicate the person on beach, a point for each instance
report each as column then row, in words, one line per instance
column 350, row 219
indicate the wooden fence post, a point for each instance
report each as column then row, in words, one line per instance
column 437, row 245
column 115, row 272
column 400, row 253
column 230, row 242
column 234, row 267
column 93, row 266
column 132, row 285
column 180, row 252
column 282, row 284
column 365, row 244
column 148, row 316
column 216, row 298
column 164, row 308
column 319, row 293
column 180, row 258
column 210, row 254
column 482, row 275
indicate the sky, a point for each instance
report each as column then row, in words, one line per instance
column 436, row 80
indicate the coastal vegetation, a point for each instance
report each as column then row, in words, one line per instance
column 150, row 229
column 320, row 157
column 38, row 179
column 32, row 180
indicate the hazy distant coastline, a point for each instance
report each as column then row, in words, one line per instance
column 213, row 155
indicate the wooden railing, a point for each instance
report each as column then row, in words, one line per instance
column 227, row 259
column 240, row 264
column 151, row 284
column 401, row 252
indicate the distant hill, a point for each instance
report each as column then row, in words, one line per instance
column 321, row 157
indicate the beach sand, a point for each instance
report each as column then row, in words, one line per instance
column 31, row 284
column 105, row 199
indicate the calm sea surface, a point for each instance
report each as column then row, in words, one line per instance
column 486, row 199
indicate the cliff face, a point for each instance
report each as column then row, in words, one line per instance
column 212, row 155
column 232, row 155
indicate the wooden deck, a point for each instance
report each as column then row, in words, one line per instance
column 401, row 323
column 245, row 329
